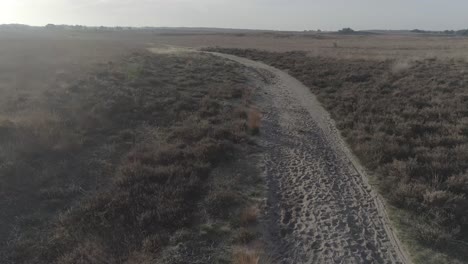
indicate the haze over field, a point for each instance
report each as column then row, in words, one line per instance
column 249, row 14
column 233, row 131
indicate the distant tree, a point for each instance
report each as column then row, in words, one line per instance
column 346, row 31
column 418, row 31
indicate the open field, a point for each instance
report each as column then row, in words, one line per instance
column 112, row 154
column 378, row 47
column 345, row 47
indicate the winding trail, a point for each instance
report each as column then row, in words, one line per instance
column 321, row 208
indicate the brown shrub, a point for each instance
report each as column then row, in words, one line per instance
column 249, row 215
column 254, row 121
column 246, row 256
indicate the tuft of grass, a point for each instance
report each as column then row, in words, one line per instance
column 254, row 120
column 249, row 215
column 246, row 256
column 245, row 236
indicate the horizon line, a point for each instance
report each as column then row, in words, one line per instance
column 221, row 28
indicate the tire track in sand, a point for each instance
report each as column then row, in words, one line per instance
column 321, row 208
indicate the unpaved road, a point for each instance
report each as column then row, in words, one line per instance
column 321, row 208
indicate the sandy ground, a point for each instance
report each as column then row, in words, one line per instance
column 321, row 208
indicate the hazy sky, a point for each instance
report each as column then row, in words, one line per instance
column 261, row 14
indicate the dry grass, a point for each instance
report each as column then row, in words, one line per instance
column 246, row 256
column 119, row 164
column 373, row 47
column 62, row 141
column 254, row 120
column 407, row 122
column 249, row 215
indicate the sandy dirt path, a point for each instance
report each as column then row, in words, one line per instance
column 321, row 208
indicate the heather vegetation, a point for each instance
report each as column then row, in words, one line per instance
column 131, row 164
column 407, row 121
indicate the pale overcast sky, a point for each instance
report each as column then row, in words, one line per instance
column 255, row 14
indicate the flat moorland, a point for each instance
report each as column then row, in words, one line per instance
column 119, row 164
column 108, row 155
column 407, row 121
column 372, row 47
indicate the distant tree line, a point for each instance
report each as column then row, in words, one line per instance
column 81, row 27
column 346, row 31
column 463, row 32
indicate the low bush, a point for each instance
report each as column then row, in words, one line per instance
column 246, row 256
column 254, row 121
column 249, row 215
